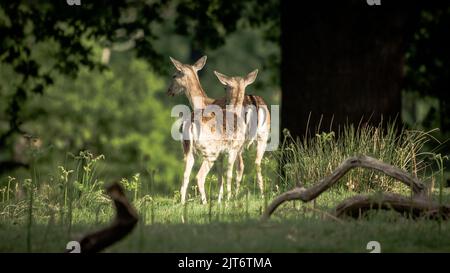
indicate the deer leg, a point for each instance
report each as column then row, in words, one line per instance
column 220, row 177
column 230, row 164
column 239, row 171
column 201, row 176
column 260, row 149
column 188, row 164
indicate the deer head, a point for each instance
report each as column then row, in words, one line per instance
column 235, row 86
column 185, row 76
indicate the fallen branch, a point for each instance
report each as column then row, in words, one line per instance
column 306, row 195
column 125, row 221
column 415, row 207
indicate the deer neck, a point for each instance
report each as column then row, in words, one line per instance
column 195, row 94
column 235, row 99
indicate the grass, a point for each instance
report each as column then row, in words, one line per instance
column 306, row 161
column 292, row 229
column 42, row 214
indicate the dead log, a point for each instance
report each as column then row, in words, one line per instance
column 124, row 222
column 308, row 194
column 414, row 207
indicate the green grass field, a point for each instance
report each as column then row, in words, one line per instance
column 42, row 213
column 235, row 227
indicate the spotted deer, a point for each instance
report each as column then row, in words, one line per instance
column 185, row 80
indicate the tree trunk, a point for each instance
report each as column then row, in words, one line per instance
column 342, row 60
column 445, row 113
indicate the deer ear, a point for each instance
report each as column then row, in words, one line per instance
column 178, row 65
column 225, row 80
column 251, row 77
column 200, row 63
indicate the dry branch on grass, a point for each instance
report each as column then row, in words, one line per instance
column 417, row 203
column 415, row 207
column 124, row 222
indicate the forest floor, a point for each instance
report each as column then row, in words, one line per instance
column 167, row 226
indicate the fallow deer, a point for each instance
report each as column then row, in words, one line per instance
column 186, row 81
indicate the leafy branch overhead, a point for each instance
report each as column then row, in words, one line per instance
column 26, row 24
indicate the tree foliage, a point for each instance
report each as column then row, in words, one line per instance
column 428, row 62
column 55, row 87
column 69, row 35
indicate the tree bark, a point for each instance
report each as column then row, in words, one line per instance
column 124, row 223
column 415, row 207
